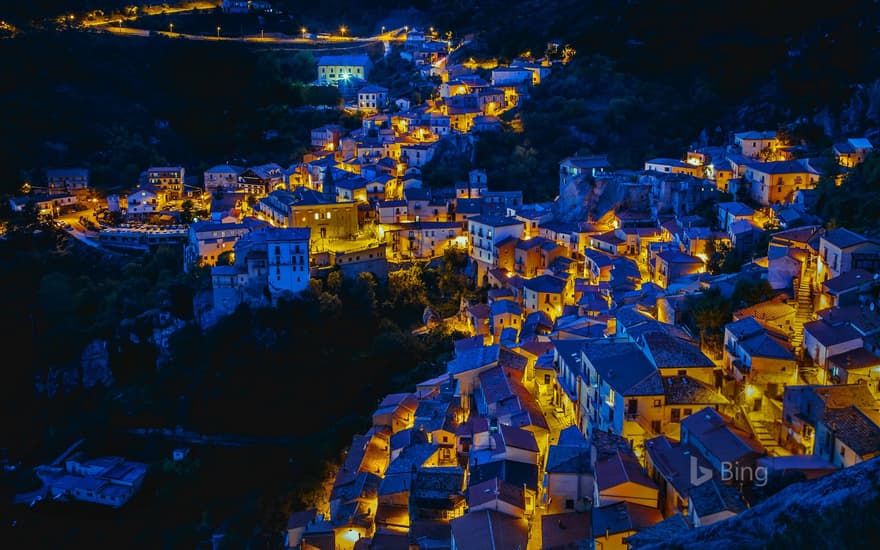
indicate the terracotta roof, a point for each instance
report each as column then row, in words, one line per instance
column 849, row 280
column 684, row 390
column 566, row 530
column 518, row 437
column 855, row 429
column 622, row 517
column 619, row 468
column 719, row 437
column 489, row 530
column 492, row 489
column 844, row 238
column 714, row 496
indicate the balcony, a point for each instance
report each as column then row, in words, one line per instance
column 742, row 367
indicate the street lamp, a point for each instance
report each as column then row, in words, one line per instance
column 171, row 27
column 383, row 29
column 303, row 31
column 342, row 30
column 261, row 34
column 218, row 31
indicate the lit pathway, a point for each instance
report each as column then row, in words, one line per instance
column 555, row 425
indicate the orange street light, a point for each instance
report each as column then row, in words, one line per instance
column 303, row 31
column 342, row 30
column 218, row 31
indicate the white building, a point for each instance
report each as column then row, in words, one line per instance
column 511, row 76
column 222, row 176
column 484, row 233
column 146, row 199
column 372, row 98
column 271, row 260
column 109, row 480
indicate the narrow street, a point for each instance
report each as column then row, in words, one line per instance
column 555, row 425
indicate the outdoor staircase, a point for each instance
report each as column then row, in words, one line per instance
column 803, row 313
column 763, row 433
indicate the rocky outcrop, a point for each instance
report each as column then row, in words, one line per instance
column 834, row 511
column 95, row 365
column 586, row 198
column 92, row 370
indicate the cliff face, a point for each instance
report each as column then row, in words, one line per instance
column 841, row 510
column 587, row 199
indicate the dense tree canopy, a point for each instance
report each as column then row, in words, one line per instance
column 854, row 204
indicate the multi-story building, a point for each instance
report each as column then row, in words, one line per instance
column 327, row 136
column 546, row 294
column 425, row 240
column 67, row 180
column 222, row 177
column 760, row 359
column 208, row 240
column 146, row 199
column 621, row 390
column 261, row 180
column 485, row 232
column 334, row 70
column 842, row 250
column 752, row 144
column 167, row 178
column 304, row 207
column 269, row 262
column 777, row 182
column 372, row 98
column 852, row 151
column 47, row 205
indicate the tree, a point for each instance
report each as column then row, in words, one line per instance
column 186, row 211
column 748, row 292
column 225, row 258
column 709, row 312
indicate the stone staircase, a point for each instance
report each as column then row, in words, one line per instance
column 803, row 313
column 763, row 432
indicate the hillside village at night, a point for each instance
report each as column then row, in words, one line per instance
column 652, row 354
